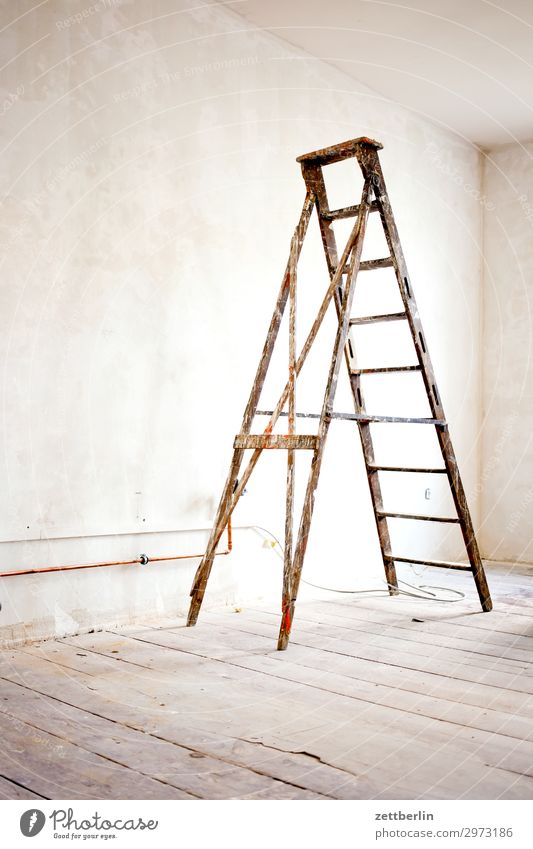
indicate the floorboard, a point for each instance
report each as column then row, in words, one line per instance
column 374, row 698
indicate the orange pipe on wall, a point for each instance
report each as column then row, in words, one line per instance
column 39, row 570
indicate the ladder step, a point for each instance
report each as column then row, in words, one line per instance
column 372, row 319
column 442, row 564
column 275, row 440
column 375, row 468
column 384, row 514
column 385, row 369
column 347, row 212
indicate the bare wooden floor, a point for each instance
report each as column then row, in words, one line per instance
column 367, row 702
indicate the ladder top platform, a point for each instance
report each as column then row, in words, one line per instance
column 338, row 151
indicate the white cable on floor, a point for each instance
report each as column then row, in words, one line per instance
column 423, row 591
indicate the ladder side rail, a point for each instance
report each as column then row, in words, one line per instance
column 372, row 170
column 314, row 178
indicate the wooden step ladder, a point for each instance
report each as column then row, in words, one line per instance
column 343, row 273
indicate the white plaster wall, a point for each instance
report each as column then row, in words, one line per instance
column 150, row 191
column 506, row 482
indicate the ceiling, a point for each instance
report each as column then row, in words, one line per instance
column 465, row 64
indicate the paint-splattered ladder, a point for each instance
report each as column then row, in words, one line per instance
column 343, row 274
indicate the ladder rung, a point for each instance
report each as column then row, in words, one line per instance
column 384, row 369
column 359, row 417
column 371, row 264
column 364, row 417
column 372, row 319
column 346, row 212
column 350, row 417
column 275, row 440
column 375, row 468
column 442, row 564
column 383, row 514
column 284, row 413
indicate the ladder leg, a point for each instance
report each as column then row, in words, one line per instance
column 287, row 604
column 295, row 572
column 314, row 179
column 223, row 514
column 467, row 529
column 289, row 507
